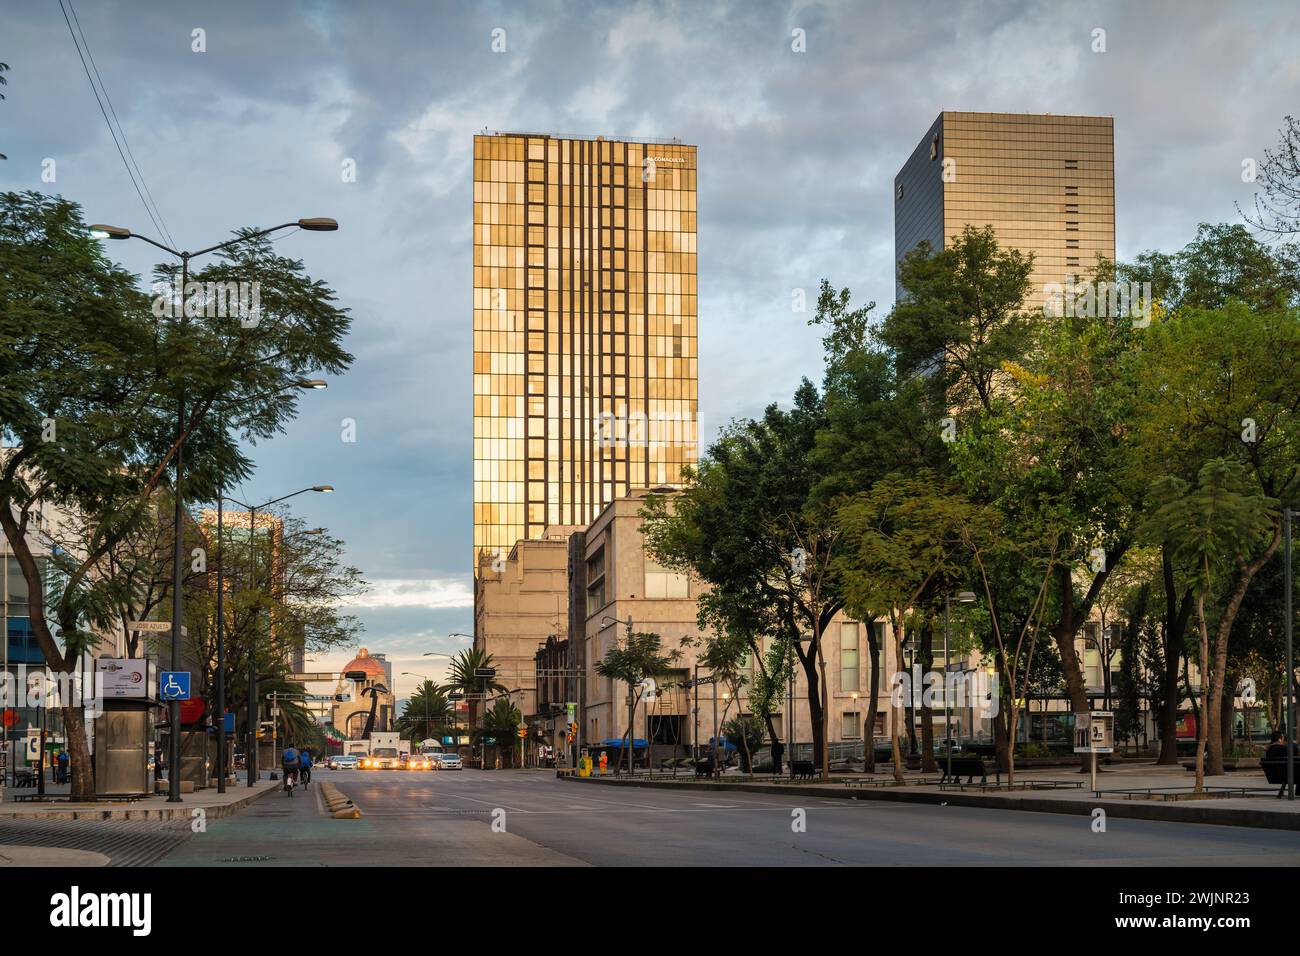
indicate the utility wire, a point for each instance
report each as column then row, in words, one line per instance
column 150, row 212
column 104, row 89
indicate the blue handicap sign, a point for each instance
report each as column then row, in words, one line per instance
column 174, row 685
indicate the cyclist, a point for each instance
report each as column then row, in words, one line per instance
column 290, row 761
column 304, row 766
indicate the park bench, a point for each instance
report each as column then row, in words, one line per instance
column 968, row 767
column 802, row 769
column 1275, row 772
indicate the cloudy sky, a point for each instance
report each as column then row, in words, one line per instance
column 797, row 153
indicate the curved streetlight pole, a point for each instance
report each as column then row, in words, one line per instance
column 221, row 618
column 963, row 597
column 178, row 545
column 251, row 748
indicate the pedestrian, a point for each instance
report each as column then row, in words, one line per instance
column 604, row 761
column 62, row 763
column 1278, row 746
column 778, row 755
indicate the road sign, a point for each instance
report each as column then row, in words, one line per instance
column 486, row 673
column 174, row 685
column 154, row 626
column 33, row 744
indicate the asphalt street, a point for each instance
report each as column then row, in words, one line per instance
column 523, row 818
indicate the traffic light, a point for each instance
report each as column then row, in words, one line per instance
column 573, row 729
column 522, row 733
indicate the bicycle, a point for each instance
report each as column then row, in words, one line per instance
column 290, row 778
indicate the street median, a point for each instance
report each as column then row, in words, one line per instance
column 1261, row 812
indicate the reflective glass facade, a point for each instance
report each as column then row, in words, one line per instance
column 1046, row 183
column 585, row 359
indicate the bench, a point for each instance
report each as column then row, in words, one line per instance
column 706, row 768
column 24, row 777
column 968, row 767
column 1275, row 772
column 802, row 770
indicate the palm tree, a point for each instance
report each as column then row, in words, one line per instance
column 425, row 713
column 501, row 723
column 462, row 676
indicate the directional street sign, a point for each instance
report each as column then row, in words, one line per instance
column 174, row 685
column 159, row 627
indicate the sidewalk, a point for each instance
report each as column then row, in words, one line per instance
column 1255, row 811
column 216, row 805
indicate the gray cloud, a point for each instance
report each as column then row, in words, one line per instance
column 797, row 155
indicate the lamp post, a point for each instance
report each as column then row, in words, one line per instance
column 314, row 383
column 178, row 545
column 426, row 697
column 963, row 597
column 253, row 708
column 1290, row 657
column 455, row 723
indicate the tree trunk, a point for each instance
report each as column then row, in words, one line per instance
column 1063, row 633
column 1246, row 573
column 1202, row 725
column 895, row 712
column 74, row 728
column 815, row 711
column 775, row 738
column 869, row 727
column 928, row 763
column 1225, row 716
column 1177, row 613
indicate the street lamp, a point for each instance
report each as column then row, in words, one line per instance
column 252, row 657
column 319, row 224
column 221, row 615
column 426, row 679
column 963, row 597
column 1290, row 656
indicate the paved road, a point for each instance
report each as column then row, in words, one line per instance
column 446, row 818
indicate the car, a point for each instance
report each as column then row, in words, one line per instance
column 344, row 762
column 420, row 761
column 381, row 758
column 450, row 762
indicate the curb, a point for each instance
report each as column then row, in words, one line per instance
column 1118, row 809
column 134, row 812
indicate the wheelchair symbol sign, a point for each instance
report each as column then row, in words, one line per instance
column 174, row 685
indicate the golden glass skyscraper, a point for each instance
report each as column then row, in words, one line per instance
column 1045, row 182
column 585, row 359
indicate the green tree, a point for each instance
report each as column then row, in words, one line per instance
column 746, row 732
column 463, row 676
column 904, row 548
column 961, row 316
column 637, row 656
column 500, row 725
column 747, row 524
column 425, row 714
column 1218, row 524
column 90, row 383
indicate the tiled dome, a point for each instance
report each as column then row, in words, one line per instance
column 364, row 662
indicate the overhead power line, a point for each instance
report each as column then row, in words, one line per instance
column 155, row 215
